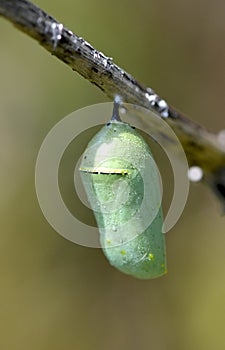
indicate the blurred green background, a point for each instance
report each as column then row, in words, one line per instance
column 55, row 294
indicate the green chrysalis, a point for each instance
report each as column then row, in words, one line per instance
column 121, row 181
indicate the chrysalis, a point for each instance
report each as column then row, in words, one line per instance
column 121, row 181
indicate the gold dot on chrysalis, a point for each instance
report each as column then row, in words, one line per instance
column 151, row 256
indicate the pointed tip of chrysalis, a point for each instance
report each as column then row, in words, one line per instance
column 115, row 115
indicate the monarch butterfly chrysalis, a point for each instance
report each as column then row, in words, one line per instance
column 120, row 177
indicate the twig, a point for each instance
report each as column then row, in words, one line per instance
column 202, row 148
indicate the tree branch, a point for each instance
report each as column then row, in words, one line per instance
column 202, row 148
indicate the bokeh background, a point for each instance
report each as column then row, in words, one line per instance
column 55, row 294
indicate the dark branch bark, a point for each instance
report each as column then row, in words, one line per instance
column 202, row 148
